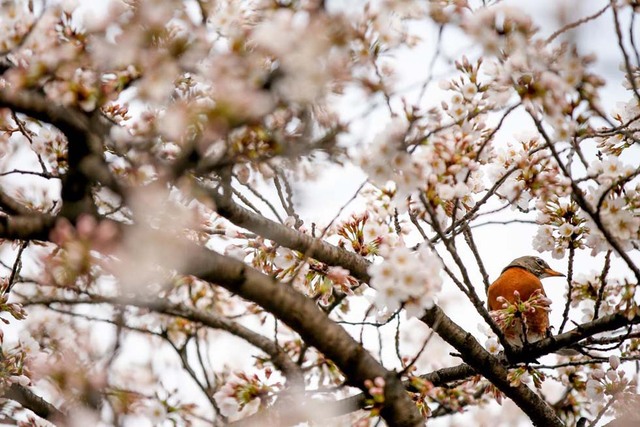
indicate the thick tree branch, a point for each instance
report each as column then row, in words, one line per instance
column 22, row 223
column 84, row 134
column 33, row 402
column 610, row 322
column 303, row 316
column 310, row 246
column 35, row 226
column 490, row 367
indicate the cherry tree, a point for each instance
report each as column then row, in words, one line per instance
column 271, row 212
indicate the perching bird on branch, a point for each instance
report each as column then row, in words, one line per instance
column 518, row 295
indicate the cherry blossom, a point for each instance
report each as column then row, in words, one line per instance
column 407, row 279
column 280, row 212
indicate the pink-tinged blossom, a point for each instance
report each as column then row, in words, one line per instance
column 241, row 395
column 376, row 389
column 617, row 211
column 562, row 227
column 566, row 229
column 430, row 166
column 389, row 28
column 612, row 383
column 614, row 362
column 558, row 251
column 285, row 258
column 385, row 151
column 231, row 18
column 14, row 25
column 485, row 26
column 609, row 170
column 338, row 275
column 587, row 287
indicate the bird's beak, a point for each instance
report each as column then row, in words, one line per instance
column 552, row 273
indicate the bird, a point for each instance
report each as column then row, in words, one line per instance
column 518, row 282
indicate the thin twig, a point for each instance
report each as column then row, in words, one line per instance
column 603, row 282
column 262, row 198
column 567, row 305
column 17, row 266
column 468, row 237
column 627, row 62
column 603, row 410
column 575, row 24
column 28, row 134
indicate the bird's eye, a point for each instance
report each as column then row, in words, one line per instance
column 540, row 262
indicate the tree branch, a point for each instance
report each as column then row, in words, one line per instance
column 316, row 410
column 303, row 316
column 84, row 152
column 310, row 246
column 33, row 402
column 610, row 322
column 279, row 358
column 35, row 226
column 490, row 367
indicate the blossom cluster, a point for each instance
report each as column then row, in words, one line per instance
column 610, row 141
column 184, row 101
column 16, row 23
column 13, row 369
column 429, row 154
column 365, row 233
column 514, row 316
column 616, row 200
column 610, row 383
column 75, row 259
column 407, row 279
column 561, row 227
column 309, row 54
column 242, row 395
column 526, row 375
column 375, row 389
column 551, row 81
column 610, row 295
column 528, row 171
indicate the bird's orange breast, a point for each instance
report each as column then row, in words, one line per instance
column 512, row 279
column 526, row 283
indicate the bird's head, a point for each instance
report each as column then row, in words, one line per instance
column 534, row 265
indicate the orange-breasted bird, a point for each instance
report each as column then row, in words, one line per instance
column 517, row 283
